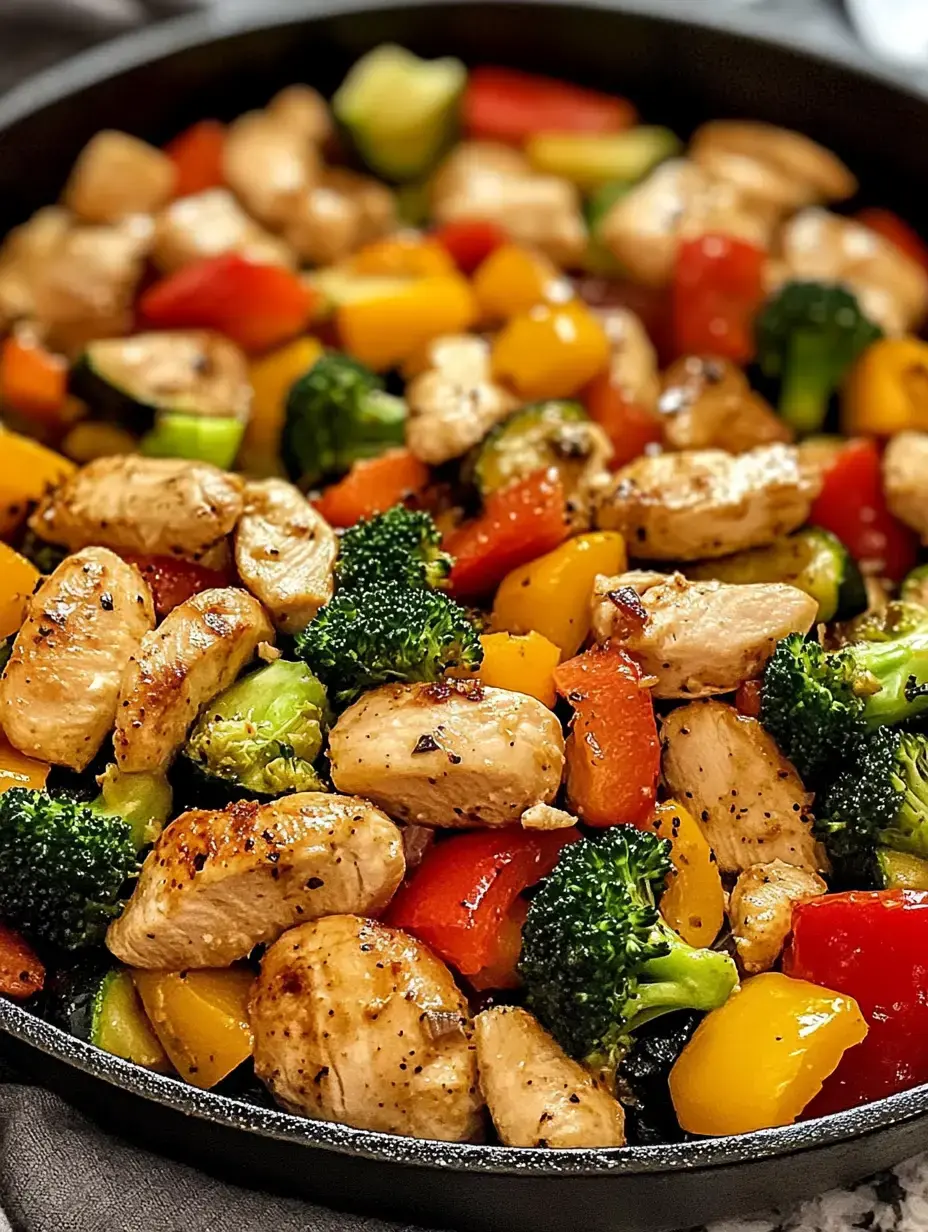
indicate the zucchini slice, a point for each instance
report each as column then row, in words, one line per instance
column 915, row 586
column 898, row 870
column 555, row 434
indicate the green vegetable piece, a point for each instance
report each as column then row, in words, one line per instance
column 97, row 1002
column 401, row 545
column 555, row 434
column 199, row 440
column 915, row 586
column 338, row 413
column 808, row 336
column 591, row 160
column 601, row 201
column 895, row 619
column 898, row 870
column 144, row 800
column 264, row 732
column 597, row 959
column 401, row 111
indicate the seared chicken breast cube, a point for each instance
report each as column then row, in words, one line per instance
column 633, row 369
column 285, row 553
column 116, row 175
column 304, row 110
column 59, row 690
column 269, row 166
column 697, row 638
column 455, row 402
column 905, row 477
column 158, row 506
column 196, row 652
column 538, row 1096
column 707, row 403
column 216, row 884
column 362, row 1024
column 338, row 214
column 750, row 800
column 209, row 224
column 761, row 910
column 22, row 254
column 448, row 754
column 706, row 503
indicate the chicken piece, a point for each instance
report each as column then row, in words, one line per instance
column 538, row 1096
column 269, row 166
column 58, row 692
column 285, row 553
column 698, row 638
column 448, row 754
column 707, row 403
column 905, row 478
column 633, row 365
column 157, row 506
column 678, row 201
column 761, row 910
column 305, row 111
column 117, row 175
column 218, row 883
column 770, row 165
column 209, row 224
column 362, row 1024
column 22, row 255
column 706, row 503
column 544, row 817
column 455, row 402
column 890, row 286
column 375, row 200
column 338, row 215
column 481, row 180
column 196, row 652
column 731, row 775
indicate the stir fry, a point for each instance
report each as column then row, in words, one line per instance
column 464, row 607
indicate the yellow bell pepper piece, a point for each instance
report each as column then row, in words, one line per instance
column 887, row 389
column 551, row 351
column 406, row 255
column 27, row 470
column 513, row 279
column 18, row 577
column 201, row 1019
column 381, row 332
column 524, row 664
column 17, row 770
column 271, row 378
column 693, row 902
column 759, row 1059
column 551, row 595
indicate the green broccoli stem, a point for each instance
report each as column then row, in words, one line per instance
column 808, row 381
column 684, row 979
column 899, row 671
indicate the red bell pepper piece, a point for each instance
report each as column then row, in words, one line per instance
column 718, row 285
column 629, row 426
column 748, row 698
column 470, row 243
column 502, row 104
column 613, row 753
column 518, row 523
column 257, row 306
column 872, row 946
column 173, row 581
column 197, row 157
column 373, row 486
column 892, row 228
column 852, row 505
column 21, row 970
column 456, row 900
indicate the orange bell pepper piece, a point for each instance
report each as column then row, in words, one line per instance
column 514, row 279
column 33, row 381
column 22, row 973
column 520, row 663
column 402, row 256
column 551, row 351
column 373, row 486
column 385, row 330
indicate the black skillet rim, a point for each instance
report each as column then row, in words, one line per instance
column 133, row 50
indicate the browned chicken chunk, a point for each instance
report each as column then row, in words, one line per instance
column 196, row 652
column 59, row 690
column 761, row 909
column 707, row 403
column 538, row 1096
column 216, row 884
column 209, row 224
column 338, row 214
column 633, row 367
column 303, row 109
column 362, row 1024
column 448, row 754
column 116, row 175
column 905, row 475
column 269, row 166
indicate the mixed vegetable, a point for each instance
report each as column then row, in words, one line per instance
column 464, row 614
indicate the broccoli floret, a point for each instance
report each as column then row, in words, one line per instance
column 338, row 413
column 62, row 866
column 808, row 335
column 264, row 732
column 598, row 960
column 400, row 545
column 880, row 801
column 393, row 633
column 820, row 706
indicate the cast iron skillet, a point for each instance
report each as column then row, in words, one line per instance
column 681, row 72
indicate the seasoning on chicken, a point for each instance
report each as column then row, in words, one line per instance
column 450, row 754
column 285, row 553
column 269, row 166
column 117, row 175
column 537, row 1095
column 209, row 224
column 706, row 503
column 216, row 884
column 707, row 403
column 698, row 638
column 59, row 691
column 761, row 909
column 196, row 652
column 157, row 506
column 362, row 1024
column 751, row 802
column 905, row 477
